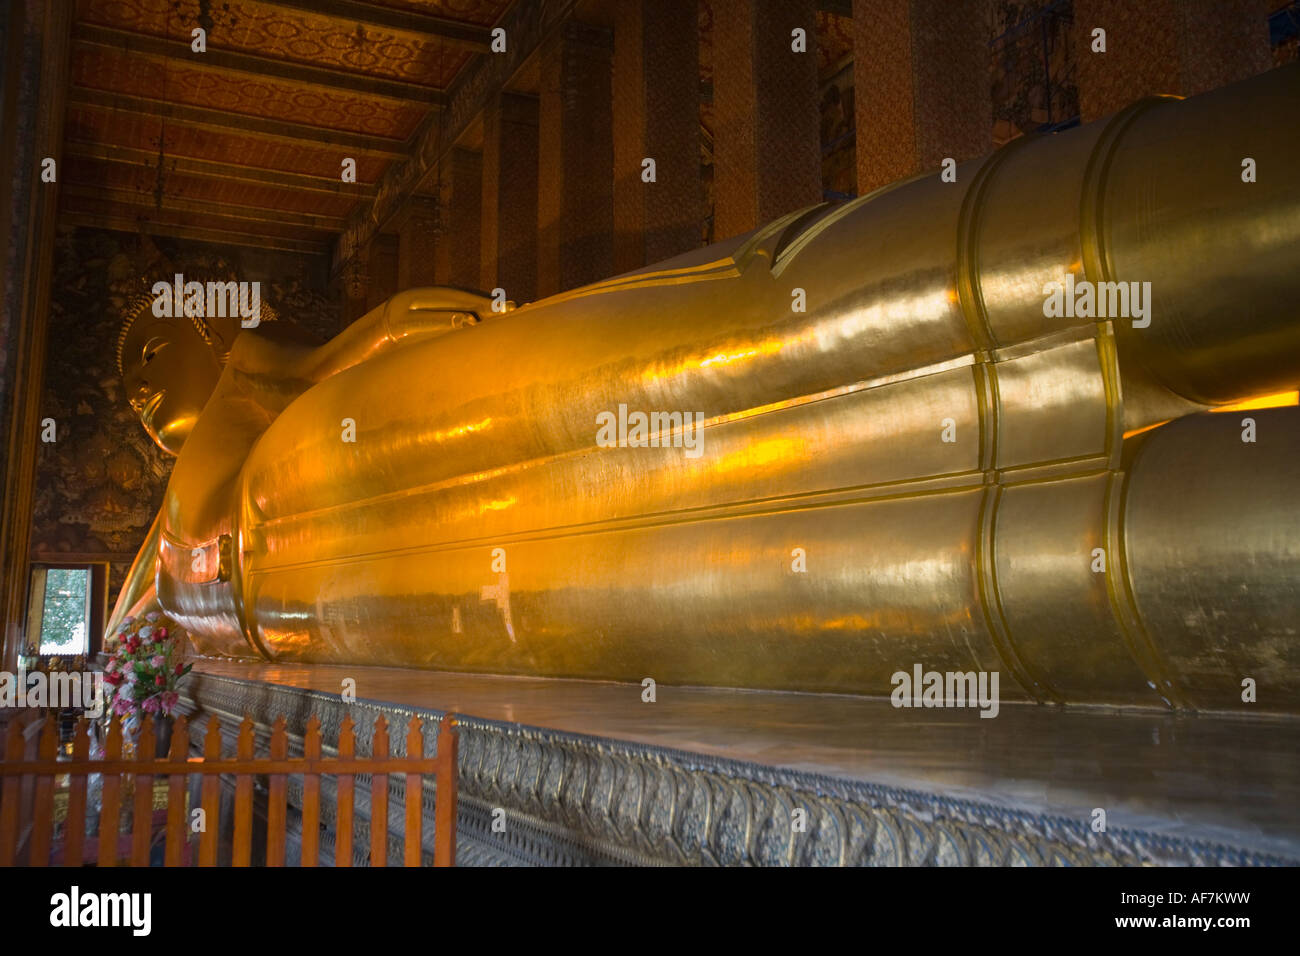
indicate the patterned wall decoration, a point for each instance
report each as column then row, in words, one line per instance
column 1032, row 65
column 101, row 482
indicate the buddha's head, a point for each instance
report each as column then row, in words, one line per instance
column 170, row 366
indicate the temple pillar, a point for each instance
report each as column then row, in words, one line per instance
column 1182, row 47
column 509, row 233
column 656, row 116
column 354, row 283
column 575, row 212
column 383, row 258
column 766, row 147
column 921, row 86
column 37, row 36
column 417, row 242
column 459, row 246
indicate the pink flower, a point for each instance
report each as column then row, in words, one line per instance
column 152, row 704
column 157, row 661
column 169, row 700
column 162, row 633
column 121, row 706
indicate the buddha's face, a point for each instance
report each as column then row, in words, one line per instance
column 169, row 373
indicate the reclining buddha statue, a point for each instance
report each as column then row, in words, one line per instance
column 967, row 424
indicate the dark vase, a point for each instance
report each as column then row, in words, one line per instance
column 162, row 731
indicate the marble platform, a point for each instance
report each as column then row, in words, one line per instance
column 588, row 773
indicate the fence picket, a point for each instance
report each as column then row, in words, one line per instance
column 142, row 811
column 275, row 803
column 343, row 801
column 379, row 797
column 43, row 798
column 311, row 796
column 211, row 796
column 414, row 793
column 110, row 806
column 241, row 852
column 74, row 829
column 9, row 796
column 176, row 828
column 445, row 787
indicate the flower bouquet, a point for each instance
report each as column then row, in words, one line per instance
column 144, row 669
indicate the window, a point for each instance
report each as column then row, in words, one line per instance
column 65, row 609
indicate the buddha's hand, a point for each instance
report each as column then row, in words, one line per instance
column 436, row 310
column 413, row 315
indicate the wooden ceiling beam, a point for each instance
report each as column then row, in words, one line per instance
column 227, row 210
column 211, row 234
column 211, row 169
column 466, row 36
column 258, row 127
column 300, row 74
column 526, row 24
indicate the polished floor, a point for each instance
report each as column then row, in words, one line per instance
column 1199, row 777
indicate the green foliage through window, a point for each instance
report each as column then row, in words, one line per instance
column 64, row 621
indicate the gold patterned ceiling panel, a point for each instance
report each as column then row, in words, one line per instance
column 141, row 179
column 302, row 37
column 483, row 13
column 102, row 207
column 121, row 72
column 90, row 125
column 253, row 132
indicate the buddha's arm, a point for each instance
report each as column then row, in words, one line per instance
column 411, row 315
column 138, row 592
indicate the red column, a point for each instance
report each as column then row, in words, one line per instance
column 509, row 235
column 460, row 244
column 656, row 116
column 920, row 86
column 766, row 147
column 575, row 208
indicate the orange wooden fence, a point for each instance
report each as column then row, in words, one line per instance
column 28, row 775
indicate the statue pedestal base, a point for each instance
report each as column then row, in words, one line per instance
column 588, row 773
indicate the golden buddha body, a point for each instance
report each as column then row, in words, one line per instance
column 679, row 473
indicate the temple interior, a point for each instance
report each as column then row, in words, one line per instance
column 677, row 392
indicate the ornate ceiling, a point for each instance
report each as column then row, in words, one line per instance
column 252, row 132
